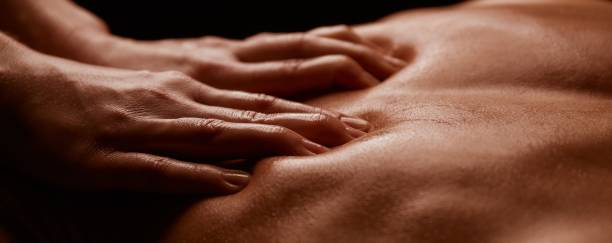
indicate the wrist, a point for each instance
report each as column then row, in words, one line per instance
column 55, row 27
column 18, row 67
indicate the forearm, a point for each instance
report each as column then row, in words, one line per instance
column 51, row 26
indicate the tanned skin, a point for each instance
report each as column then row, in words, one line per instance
column 87, row 110
column 498, row 130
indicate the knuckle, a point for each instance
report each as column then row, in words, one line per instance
column 207, row 129
column 292, row 67
column 167, row 89
column 264, row 101
column 325, row 122
column 321, row 118
column 158, row 93
column 319, row 110
column 175, row 79
column 284, row 134
column 158, row 166
column 252, row 116
column 209, row 124
column 279, row 131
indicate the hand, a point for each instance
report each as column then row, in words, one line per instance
column 278, row 64
column 103, row 128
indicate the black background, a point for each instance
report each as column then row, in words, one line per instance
column 237, row 19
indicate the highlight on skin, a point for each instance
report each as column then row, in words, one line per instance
column 498, row 130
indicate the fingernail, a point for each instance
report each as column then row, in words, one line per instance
column 397, row 62
column 330, row 113
column 314, row 147
column 356, row 123
column 236, row 177
column 354, row 132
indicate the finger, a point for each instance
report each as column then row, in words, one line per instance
column 293, row 77
column 213, row 139
column 263, row 103
column 339, row 32
column 146, row 172
column 317, row 127
column 256, row 102
column 292, row 46
column 344, row 33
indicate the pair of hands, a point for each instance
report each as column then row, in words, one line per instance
column 109, row 128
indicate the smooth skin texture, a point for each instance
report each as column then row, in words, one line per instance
column 498, row 131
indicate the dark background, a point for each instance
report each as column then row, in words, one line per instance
column 237, row 19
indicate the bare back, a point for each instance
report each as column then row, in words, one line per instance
column 499, row 130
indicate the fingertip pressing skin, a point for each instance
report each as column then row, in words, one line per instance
column 155, row 119
column 314, row 147
column 135, row 171
column 236, row 179
column 287, row 46
column 267, row 104
column 321, row 73
column 355, row 133
column 356, row 123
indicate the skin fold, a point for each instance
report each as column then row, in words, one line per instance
column 498, row 130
